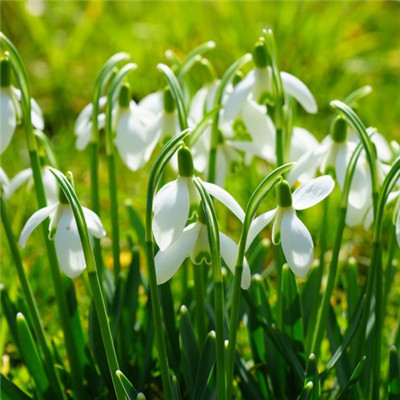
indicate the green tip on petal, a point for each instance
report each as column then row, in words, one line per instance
column 339, row 130
column 206, row 71
column 124, row 97
column 5, row 72
column 169, row 102
column 260, row 55
column 284, row 194
column 237, row 78
column 185, row 162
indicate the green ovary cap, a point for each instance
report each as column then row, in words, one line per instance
column 185, row 162
column 124, row 97
column 339, row 130
column 5, row 72
column 207, row 71
column 169, row 103
column 260, row 55
column 284, row 194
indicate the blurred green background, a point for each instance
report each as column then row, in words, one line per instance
column 335, row 47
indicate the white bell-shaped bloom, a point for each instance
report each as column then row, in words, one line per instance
column 26, row 176
column 67, row 242
column 175, row 201
column 36, row 112
column 193, row 242
column 297, row 244
column 83, row 124
column 8, row 120
column 301, row 142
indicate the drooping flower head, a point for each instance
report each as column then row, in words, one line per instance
column 297, row 244
column 64, row 230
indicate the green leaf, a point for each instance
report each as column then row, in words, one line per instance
column 205, row 366
column 175, row 389
column 306, row 393
column 130, row 391
column 136, row 222
column 394, row 375
column 312, row 375
column 31, row 357
column 346, row 394
column 248, row 386
column 10, row 391
column 189, row 351
column 292, row 314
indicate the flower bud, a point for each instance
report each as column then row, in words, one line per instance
column 124, row 97
column 5, row 73
column 169, row 102
column 339, row 130
column 260, row 55
column 284, row 194
column 185, row 162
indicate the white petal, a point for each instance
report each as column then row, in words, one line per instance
column 4, row 182
column 84, row 138
column 37, row 218
column 130, row 140
column 37, row 115
column 153, row 134
column 197, row 105
column 382, row 147
column 259, row 125
column 50, row 184
column 68, row 245
column 225, row 198
column 238, row 96
column 83, row 117
column 297, row 244
column 18, row 180
column 154, row 102
column 312, row 192
column 296, row 88
column 229, row 251
column 168, row 261
column 258, row 225
column 93, row 222
column 302, row 141
column 171, row 210
column 8, row 120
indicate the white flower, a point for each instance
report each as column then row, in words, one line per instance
column 173, row 202
column 4, row 182
column 130, row 122
column 297, row 244
column 67, row 242
column 83, row 124
column 26, row 176
column 193, row 242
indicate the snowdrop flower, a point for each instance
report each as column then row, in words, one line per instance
column 26, row 176
column 163, row 126
column 83, row 124
column 130, row 122
column 64, row 230
column 257, row 86
column 297, row 244
column 10, row 108
column 193, row 242
column 174, row 204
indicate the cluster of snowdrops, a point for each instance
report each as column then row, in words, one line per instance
column 198, row 135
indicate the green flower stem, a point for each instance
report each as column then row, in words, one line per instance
column 389, row 270
column 103, row 78
column 228, row 76
column 199, row 295
column 155, row 175
column 259, row 194
column 113, row 187
column 213, row 237
column 93, row 280
column 31, row 303
column 60, row 294
column 324, row 308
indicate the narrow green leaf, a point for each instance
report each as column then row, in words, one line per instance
column 10, row 391
column 306, row 393
column 31, row 357
column 205, row 366
column 175, row 389
column 312, row 376
column 394, row 375
column 248, row 386
column 292, row 314
column 346, row 394
column 136, row 222
column 130, row 391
